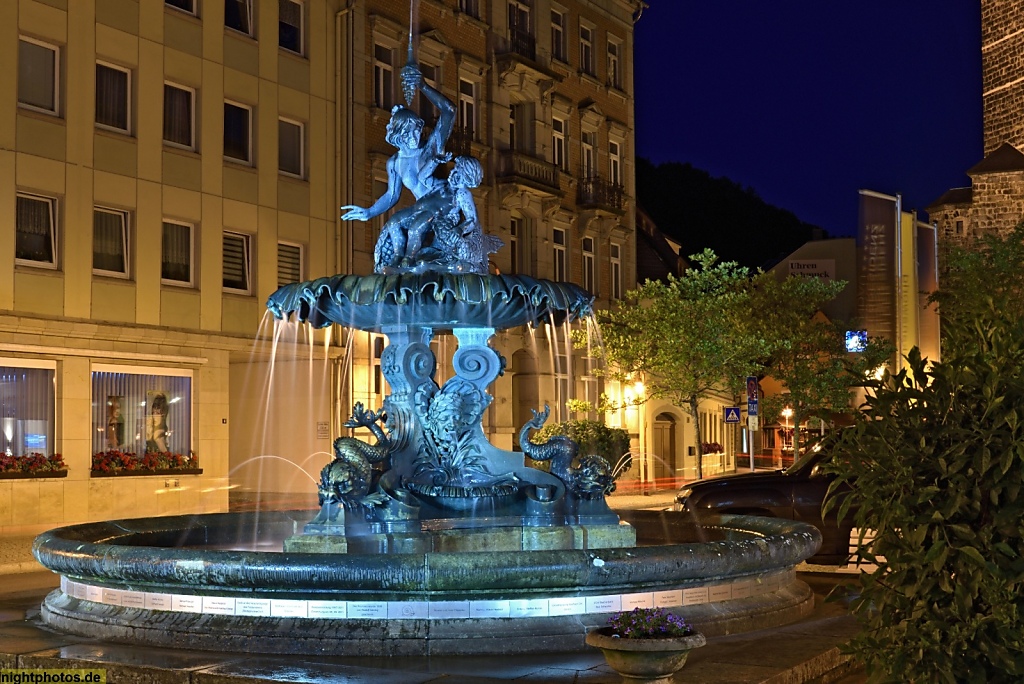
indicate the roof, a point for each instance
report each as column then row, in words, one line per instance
column 954, row 196
column 1004, row 158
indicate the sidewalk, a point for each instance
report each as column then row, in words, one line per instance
column 804, row 652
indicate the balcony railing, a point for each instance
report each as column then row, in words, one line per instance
column 460, row 142
column 512, row 164
column 597, row 192
column 522, row 43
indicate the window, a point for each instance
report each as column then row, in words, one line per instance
column 589, row 283
column 959, row 227
column 110, row 242
column 141, row 412
column 27, row 401
column 559, row 255
column 518, row 123
column 519, row 17
column 558, row 143
column 179, row 116
column 113, row 96
column 614, row 68
column 614, row 163
column 378, row 353
column 290, row 148
column 289, row 263
column 588, row 142
column 587, row 50
column 38, row 75
column 237, row 134
column 289, row 25
column 184, row 5
column 470, row 7
column 431, row 75
column 35, row 231
column 176, row 253
column 616, row 270
column 467, row 107
column 515, row 230
column 562, row 395
column 237, row 263
column 558, row 45
column 383, row 76
column 238, row 15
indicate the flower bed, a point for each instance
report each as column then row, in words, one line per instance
column 113, row 463
column 32, row 465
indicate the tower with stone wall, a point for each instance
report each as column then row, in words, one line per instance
column 994, row 202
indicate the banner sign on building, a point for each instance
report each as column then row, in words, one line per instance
column 876, row 263
column 814, row 268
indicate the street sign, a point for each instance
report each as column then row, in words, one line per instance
column 751, row 388
column 751, row 408
column 732, row 414
column 752, row 423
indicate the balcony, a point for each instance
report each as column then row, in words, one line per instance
column 522, row 43
column 595, row 192
column 523, row 169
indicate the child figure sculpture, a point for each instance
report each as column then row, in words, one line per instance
column 412, row 166
column 444, row 208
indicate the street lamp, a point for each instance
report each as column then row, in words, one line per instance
column 787, row 413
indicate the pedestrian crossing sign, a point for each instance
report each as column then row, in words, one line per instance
column 732, row 414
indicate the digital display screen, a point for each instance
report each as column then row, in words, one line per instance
column 856, row 340
column 35, row 442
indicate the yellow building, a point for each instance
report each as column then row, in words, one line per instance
column 165, row 166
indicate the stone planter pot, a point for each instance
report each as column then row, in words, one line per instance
column 645, row 660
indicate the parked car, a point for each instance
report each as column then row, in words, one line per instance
column 794, row 493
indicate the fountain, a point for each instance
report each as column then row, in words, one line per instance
column 429, row 540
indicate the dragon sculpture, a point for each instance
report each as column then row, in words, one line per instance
column 589, row 477
column 347, row 479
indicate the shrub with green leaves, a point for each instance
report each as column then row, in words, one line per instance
column 937, row 464
column 592, row 436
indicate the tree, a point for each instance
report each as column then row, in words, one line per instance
column 986, row 276
column 937, row 463
column 687, row 336
column 937, row 467
column 809, row 356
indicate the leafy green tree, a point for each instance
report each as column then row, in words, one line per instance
column 937, row 464
column 688, row 336
column 809, row 356
column 985, row 276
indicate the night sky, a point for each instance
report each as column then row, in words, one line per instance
column 807, row 101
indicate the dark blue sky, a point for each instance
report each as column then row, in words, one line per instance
column 807, row 101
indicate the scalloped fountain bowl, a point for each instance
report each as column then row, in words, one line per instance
column 433, row 300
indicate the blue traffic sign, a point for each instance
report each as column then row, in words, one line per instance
column 732, row 414
column 751, row 408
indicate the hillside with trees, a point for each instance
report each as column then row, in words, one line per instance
column 699, row 211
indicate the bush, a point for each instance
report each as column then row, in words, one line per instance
column 593, row 437
column 937, row 462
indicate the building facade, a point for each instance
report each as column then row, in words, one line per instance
column 165, row 166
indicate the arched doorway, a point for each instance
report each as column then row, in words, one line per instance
column 663, row 448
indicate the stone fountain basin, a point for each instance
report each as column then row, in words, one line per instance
column 187, row 581
column 439, row 301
